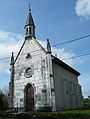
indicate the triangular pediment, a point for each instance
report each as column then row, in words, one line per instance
column 32, row 46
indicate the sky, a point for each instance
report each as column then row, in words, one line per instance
column 58, row 20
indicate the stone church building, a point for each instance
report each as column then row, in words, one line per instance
column 38, row 79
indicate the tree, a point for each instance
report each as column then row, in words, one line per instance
column 3, row 101
column 86, row 102
column 5, row 90
column 89, row 96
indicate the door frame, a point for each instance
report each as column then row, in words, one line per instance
column 25, row 91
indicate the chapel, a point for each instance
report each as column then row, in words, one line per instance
column 40, row 80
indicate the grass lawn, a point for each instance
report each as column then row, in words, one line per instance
column 78, row 114
column 69, row 113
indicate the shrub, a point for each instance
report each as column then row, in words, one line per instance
column 45, row 109
column 3, row 101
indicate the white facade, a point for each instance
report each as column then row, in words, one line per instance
column 40, row 76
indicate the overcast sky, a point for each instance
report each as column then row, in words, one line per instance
column 58, row 20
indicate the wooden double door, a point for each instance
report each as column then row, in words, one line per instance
column 30, row 98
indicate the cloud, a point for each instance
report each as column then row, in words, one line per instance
column 11, row 42
column 85, row 81
column 9, row 37
column 83, row 8
column 62, row 54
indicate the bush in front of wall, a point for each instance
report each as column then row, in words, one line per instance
column 45, row 109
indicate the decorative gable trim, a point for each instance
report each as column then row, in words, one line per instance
column 20, row 51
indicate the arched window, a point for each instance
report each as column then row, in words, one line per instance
column 67, row 85
column 33, row 31
column 27, row 31
column 30, row 30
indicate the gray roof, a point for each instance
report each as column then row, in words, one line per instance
column 64, row 65
column 29, row 20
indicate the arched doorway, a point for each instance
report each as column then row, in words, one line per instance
column 29, row 97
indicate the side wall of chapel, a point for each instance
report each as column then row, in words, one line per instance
column 67, row 89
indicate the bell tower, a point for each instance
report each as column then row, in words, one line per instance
column 29, row 26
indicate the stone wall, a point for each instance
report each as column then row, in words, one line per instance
column 67, row 89
column 38, row 79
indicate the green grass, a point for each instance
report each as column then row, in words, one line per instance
column 76, row 112
column 70, row 113
column 62, row 114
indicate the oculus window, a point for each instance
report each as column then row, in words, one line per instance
column 28, row 72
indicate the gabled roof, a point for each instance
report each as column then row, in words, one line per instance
column 64, row 65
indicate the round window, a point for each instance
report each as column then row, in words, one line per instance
column 28, row 72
